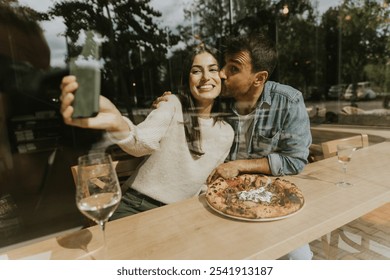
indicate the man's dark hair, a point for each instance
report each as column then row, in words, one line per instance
column 261, row 50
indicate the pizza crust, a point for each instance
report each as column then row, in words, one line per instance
column 254, row 196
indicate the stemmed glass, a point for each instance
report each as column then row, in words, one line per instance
column 344, row 154
column 98, row 192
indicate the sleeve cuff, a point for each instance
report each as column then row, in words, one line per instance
column 122, row 139
column 275, row 164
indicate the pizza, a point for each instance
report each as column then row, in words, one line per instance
column 254, row 197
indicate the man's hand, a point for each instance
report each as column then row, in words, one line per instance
column 234, row 168
column 225, row 170
column 163, row 98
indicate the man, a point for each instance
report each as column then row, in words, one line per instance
column 272, row 127
column 271, row 124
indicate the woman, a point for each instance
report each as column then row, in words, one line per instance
column 185, row 141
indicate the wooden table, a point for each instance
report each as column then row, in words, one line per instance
column 191, row 230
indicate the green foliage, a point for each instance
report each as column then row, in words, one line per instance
column 379, row 75
column 349, row 43
column 356, row 34
column 292, row 30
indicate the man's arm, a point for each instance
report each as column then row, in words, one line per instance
column 294, row 144
column 233, row 168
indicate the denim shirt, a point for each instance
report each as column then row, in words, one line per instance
column 280, row 131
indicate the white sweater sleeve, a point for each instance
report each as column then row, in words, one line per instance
column 145, row 137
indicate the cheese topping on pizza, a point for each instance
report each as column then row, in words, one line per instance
column 254, row 196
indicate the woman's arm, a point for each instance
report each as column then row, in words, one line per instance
column 137, row 140
column 144, row 138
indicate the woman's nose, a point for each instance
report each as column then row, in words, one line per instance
column 205, row 76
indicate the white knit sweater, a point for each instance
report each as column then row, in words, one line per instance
column 170, row 173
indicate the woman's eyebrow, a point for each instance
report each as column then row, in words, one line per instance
column 209, row 65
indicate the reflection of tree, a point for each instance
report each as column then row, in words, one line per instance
column 289, row 23
column 296, row 43
column 135, row 40
column 209, row 20
column 290, row 29
column 357, row 33
column 308, row 49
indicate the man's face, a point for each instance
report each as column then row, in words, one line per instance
column 237, row 76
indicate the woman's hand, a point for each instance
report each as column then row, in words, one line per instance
column 109, row 117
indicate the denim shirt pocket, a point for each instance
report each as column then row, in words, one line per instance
column 263, row 145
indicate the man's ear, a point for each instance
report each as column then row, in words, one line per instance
column 261, row 78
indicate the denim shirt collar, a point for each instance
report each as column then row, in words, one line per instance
column 266, row 95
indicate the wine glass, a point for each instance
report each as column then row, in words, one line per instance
column 98, row 192
column 344, row 154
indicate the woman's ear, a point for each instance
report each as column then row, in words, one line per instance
column 261, row 78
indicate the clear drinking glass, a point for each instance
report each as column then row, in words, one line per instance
column 344, row 154
column 98, row 192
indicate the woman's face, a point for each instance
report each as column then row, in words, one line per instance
column 204, row 80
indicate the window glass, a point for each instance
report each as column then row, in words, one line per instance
column 337, row 53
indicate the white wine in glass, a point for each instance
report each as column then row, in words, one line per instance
column 344, row 154
column 98, row 192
